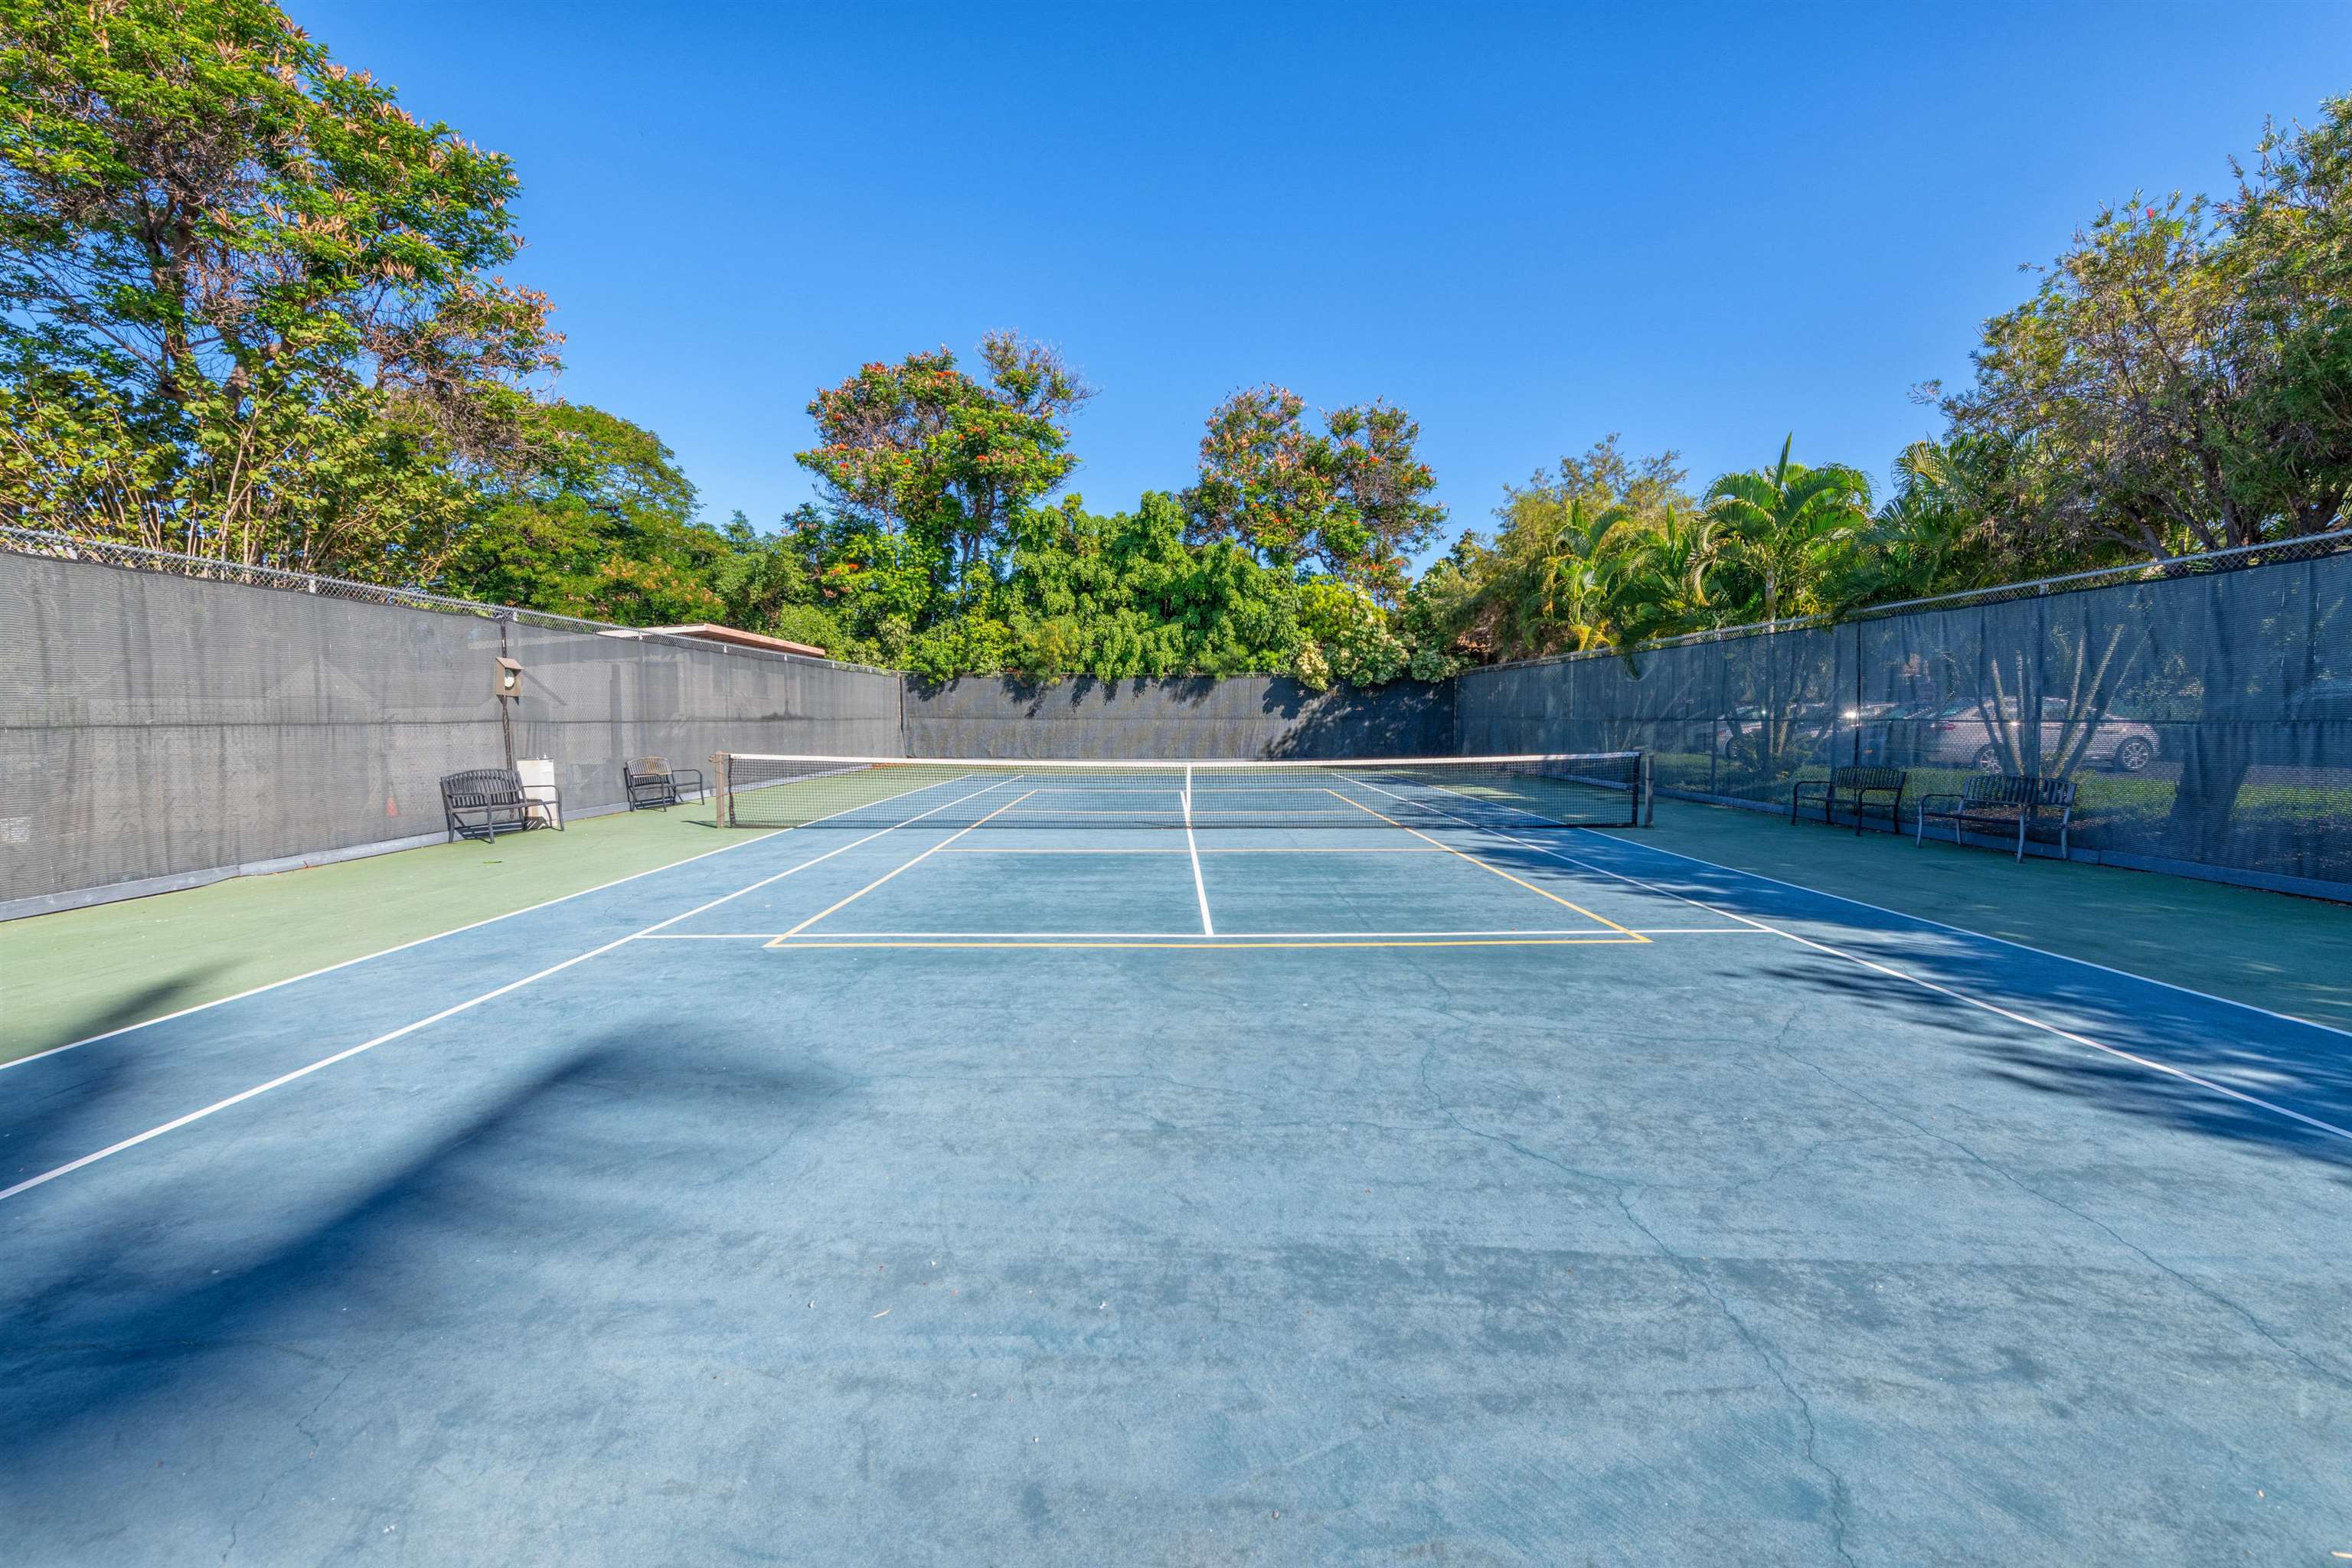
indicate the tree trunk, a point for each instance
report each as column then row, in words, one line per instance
column 2219, row 749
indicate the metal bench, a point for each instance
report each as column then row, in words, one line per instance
column 1856, row 784
column 2001, row 803
column 652, row 784
column 480, row 802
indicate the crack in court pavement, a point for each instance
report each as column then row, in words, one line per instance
column 302, row 1426
column 35, row 1357
column 1744, row 1184
column 1167, row 1081
column 1840, row 1497
column 789, row 1139
column 2193, row 1286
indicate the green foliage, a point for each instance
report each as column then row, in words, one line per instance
column 250, row 309
column 1600, row 553
column 921, row 449
column 246, row 301
column 1351, row 501
column 601, row 525
column 811, row 623
column 1344, row 634
column 1119, row 596
column 2177, row 382
column 1785, row 528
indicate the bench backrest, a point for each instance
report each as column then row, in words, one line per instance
column 482, row 786
column 2027, row 792
column 1866, row 778
column 648, row 768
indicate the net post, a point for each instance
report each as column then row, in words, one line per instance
column 1646, row 799
column 720, row 813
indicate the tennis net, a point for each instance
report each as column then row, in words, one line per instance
column 1608, row 789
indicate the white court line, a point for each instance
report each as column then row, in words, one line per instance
column 1957, row 995
column 452, row 931
column 1169, row 935
column 918, row 860
column 1200, row 888
column 1158, row 935
column 345, row 1055
column 1984, row 936
column 1610, row 834
column 1703, row 931
column 382, row 952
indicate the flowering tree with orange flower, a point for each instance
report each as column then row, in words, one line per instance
column 922, row 450
column 1351, row 501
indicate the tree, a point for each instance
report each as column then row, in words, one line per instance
column 2179, row 377
column 1951, row 523
column 2118, row 377
column 1441, row 619
column 247, row 306
column 1351, row 501
column 1117, row 596
column 1564, row 576
column 1784, row 526
column 600, row 522
column 1345, row 635
column 1666, row 583
column 1648, row 486
column 1598, row 552
column 2291, row 255
column 921, row 449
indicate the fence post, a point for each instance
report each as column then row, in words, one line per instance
column 1856, row 756
column 505, row 618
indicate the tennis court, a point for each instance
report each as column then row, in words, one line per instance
column 1041, row 1163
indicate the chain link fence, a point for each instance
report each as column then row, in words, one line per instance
column 2204, row 706
column 167, row 719
column 1180, row 717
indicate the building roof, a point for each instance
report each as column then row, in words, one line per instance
column 705, row 631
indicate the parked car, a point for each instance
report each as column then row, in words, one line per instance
column 1967, row 733
column 2322, row 700
column 1803, row 721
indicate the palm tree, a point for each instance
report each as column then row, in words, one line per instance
column 1921, row 538
column 1567, row 583
column 1666, row 585
column 1789, row 524
column 1788, row 527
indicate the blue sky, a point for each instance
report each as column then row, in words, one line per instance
column 1701, row 226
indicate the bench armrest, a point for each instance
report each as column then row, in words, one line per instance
column 1924, row 801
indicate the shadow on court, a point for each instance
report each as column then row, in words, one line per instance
column 38, row 1130
column 2046, row 1064
column 497, row 1223
column 2287, row 1063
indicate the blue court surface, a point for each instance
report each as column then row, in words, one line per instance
column 924, row 1187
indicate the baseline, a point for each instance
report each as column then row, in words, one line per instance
column 1936, row 986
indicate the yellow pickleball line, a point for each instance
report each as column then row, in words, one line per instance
column 1483, row 865
column 1628, row 940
